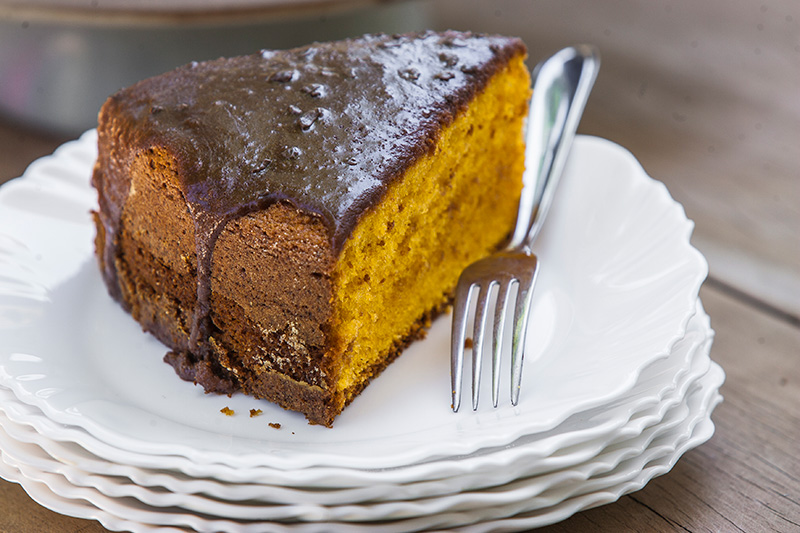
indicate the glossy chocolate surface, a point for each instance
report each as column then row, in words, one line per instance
column 326, row 126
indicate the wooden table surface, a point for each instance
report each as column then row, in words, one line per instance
column 707, row 96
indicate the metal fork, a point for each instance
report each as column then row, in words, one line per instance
column 562, row 86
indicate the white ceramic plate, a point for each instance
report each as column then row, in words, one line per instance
column 525, row 504
column 523, row 522
column 618, row 285
column 583, row 434
column 630, row 444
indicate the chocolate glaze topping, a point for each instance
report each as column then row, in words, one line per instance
column 326, row 126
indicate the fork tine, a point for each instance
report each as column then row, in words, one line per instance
column 497, row 341
column 462, row 298
column 477, row 340
column 521, row 315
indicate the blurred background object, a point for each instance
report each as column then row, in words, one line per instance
column 60, row 59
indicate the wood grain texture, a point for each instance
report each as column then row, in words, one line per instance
column 747, row 477
column 20, row 146
column 705, row 94
column 20, row 514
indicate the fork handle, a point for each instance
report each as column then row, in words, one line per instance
column 562, row 87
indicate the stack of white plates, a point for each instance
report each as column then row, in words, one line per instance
column 617, row 385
